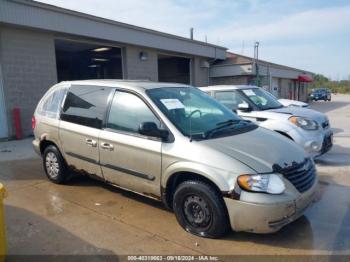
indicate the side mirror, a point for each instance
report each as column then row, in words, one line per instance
column 244, row 107
column 152, row 130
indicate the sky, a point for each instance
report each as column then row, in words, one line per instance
column 313, row 35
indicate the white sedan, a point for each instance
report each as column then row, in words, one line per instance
column 308, row 128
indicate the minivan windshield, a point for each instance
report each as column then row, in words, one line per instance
column 261, row 98
column 195, row 113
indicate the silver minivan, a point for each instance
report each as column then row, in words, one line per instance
column 176, row 144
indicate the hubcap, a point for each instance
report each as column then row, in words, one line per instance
column 52, row 166
column 197, row 211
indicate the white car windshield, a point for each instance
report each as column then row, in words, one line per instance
column 261, row 98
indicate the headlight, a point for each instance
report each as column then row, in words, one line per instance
column 304, row 123
column 268, row 183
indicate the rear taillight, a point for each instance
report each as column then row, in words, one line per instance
column 33, row 122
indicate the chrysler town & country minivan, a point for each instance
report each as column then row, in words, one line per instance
column 174, row 143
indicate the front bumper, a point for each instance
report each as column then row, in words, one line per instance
column 319, row 97
column 267, row 218
column 315, row 143
column 327, row 144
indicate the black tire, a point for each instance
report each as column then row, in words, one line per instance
column 197, row 200
column 54, row 165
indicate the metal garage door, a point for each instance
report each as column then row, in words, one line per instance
column 174, row 69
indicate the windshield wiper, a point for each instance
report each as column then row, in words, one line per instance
column 221, row 125
column 273, row 107
column 228, row 122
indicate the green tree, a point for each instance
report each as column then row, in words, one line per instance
column 320, row 81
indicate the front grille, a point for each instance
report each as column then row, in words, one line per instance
column 327, row 144
column 302, row 175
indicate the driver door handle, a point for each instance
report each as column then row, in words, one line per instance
column 107, row 146
column 90, row 142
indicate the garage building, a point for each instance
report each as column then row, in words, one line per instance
column 282, row 81
column 42, row 44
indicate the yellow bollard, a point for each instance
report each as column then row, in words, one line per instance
column 3, row 246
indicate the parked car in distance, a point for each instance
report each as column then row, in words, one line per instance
column 308, row 128
column 292, row 103
column 321, row 94
column 176, row 144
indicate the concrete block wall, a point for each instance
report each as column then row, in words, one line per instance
column 28, row 65
column 28, row 69
column 230, row 80
column 200, row 75
column 134, row 68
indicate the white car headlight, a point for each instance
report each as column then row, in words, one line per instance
column 268, row 183
column 304, row 123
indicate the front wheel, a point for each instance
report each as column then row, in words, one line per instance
column 54, row 165
column 200, row 209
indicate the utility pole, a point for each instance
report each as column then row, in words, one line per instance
column 256, row 59
column 269, row 78
column 191, row 33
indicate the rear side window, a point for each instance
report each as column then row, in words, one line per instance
column 51, row 105
column 86, row 105
column 230, row 99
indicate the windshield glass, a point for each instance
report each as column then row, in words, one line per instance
column 261, row 98
column 192, row 111
column 319, row 90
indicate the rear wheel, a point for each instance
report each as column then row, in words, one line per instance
column 54, row 165
column 200, row 209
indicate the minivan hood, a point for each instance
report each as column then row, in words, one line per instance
column 303, row 112
column 260, row 149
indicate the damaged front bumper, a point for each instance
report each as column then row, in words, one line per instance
column 267, row 217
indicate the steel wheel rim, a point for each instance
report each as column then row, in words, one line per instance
column 52, row 165
column 197, row 212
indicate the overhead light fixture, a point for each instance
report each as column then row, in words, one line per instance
column 94, row 66
column 143, row 56
column 100, row 59
column 101, row 49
